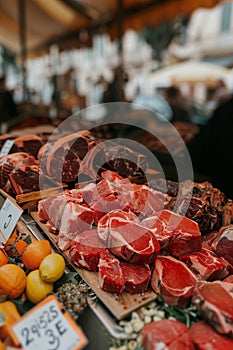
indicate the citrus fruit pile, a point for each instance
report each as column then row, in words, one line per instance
column 28, row 269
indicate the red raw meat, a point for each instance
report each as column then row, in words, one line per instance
column 127, row 239
column 114, row 218
column 228, row 279
column 206, row 338
column 76, row 218
column 136, row 277
column 85, row 250
column 44, row 205
column 173, row 280
column 110, row 274
column 166, row 335
column 206, row 265
column 215, row 301
column 223, row 245
column 178, row 234
column 145, row 201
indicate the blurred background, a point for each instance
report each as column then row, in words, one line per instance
column 58, row 57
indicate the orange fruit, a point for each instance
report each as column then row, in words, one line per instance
column 3, row 257
column 34, row 253
column 12, row 280
column 20, row 245
column 11, row 315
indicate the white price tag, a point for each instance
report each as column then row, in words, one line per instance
column 46, row 327
column 6, row 147
column 9, row 216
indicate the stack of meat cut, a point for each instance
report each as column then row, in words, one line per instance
column 122, row 231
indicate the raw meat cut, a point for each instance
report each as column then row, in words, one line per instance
column 215, row 301
column 10, row 161
column 110, row 274
column 52, row 207
column 206, row 265
column 173, row 280
column 136, row 277
column 178, row 234
column 114, row 218
column 145, row 201
column 25, row 179
column 223, row 245
column 206, row 338
column 166, row 335
column 200, row 202
column 85, row 250
column 228, row 279
column 63, row 160
column 127, row 239
column 28, row 143
column 76, row 218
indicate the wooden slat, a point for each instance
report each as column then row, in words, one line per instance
column 60, row 12
column 121, row 307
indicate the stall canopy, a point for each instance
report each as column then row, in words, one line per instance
column 192, row 72
column 69, row 22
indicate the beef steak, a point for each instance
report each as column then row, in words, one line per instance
column 166, row 335
column 215, row 301
column 173, row 280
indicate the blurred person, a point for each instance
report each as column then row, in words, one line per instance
column 180, row 108
column 8, row 108
column 114, row 91
column 221, row 93
column 211, row 150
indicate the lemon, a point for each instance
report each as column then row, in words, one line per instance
column 36, row 288
column 52, row 267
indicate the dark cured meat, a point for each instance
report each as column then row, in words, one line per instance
column 215, row 301
column 166, row 335
column 28, row 143
column 10, row 161
column 223, row 245
column 136, row 277
column 206, row 338
column 110, row 274
column 25, row 179
column 206, row 265
column 63, row 160
column 176, row 233
column 85, row 250
column 173, row 280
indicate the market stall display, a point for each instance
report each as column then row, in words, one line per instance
column 130, row 242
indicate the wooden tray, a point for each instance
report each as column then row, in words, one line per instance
column 30, row 200
column 121, row 307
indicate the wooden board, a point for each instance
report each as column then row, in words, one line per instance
column 120, row 307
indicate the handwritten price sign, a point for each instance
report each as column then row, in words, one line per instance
column 10, row 213
column 46, row 327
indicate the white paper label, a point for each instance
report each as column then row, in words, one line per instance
column 6, row 147
column 46, row 328
column 9, row 216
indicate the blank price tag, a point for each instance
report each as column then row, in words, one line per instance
column 10, row 213
column 6, row 147
column 48, row 327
